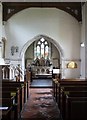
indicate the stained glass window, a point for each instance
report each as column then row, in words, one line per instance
column 46, row 51
column 41, row 49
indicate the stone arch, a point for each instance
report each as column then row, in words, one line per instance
column 56, row 44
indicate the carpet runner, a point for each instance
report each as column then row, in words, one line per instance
column 41, row 106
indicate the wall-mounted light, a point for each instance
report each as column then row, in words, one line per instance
column 14, row 49
column 82, row 44
column 72, row 64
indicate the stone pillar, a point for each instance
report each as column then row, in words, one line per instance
column 86, row 40
column 0, row 30
column 82, row 73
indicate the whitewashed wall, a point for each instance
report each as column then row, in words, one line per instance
column 86, row 40
column 1, row 46
column 85, row 47
column 30, row 52
column 53, row 23
column 0, row 21
column 0, row 30
column 29, row 55
column 83, row 37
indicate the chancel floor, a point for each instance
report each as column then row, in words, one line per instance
column 41, row 83
column 41, row 106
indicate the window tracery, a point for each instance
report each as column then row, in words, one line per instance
column 41, row 49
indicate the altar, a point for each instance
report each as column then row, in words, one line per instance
column 41, row 71
column 42, row 68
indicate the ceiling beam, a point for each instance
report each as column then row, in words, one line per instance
column 73, row 8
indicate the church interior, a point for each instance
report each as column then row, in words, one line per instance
column 43, row 61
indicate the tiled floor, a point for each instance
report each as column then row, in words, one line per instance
column 40, row 106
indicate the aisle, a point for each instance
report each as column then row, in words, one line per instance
column 40, row 106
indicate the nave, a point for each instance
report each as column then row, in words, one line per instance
column 40, row 45
column 39, row 104
column 66, row 99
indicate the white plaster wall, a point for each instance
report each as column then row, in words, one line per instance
column 29, row 55
column 0, row 21
column 72, row 73
column 1, row 46
column 0, row 30
column 55, row 57
column 86, row 40
column 52, row 22
column 55, row 53
column 29, row 52
column 83, row 37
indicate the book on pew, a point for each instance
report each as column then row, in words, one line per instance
column 3, row 108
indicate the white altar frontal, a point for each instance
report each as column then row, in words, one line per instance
column 42, row 71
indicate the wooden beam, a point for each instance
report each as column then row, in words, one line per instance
column 73, row 8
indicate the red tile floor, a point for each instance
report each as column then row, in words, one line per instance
column 40, row 106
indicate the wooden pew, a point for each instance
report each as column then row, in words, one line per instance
column 8, row 92
column 15, row 85
column 67, row 90
column 26, row 84
column 20, row 96
column 76, row 108
column 55, row 89
column 13, row 92
column 23, row 92
column 72, row 94
column 73, row 82
column 9, row 113
column 69, row 83
column 70, row 86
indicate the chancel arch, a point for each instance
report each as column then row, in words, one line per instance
column 49, row 49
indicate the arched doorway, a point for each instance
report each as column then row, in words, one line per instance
column 53, row 43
